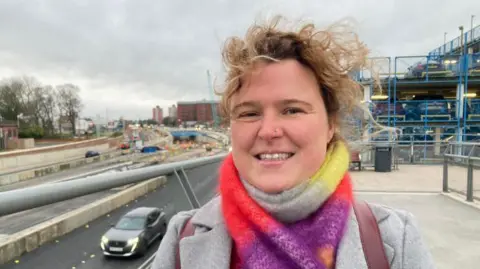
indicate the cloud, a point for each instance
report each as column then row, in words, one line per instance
column 128, row 56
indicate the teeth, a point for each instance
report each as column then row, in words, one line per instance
column 275, row 156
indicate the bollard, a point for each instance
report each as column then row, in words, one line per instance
column 445, row 174
column 470, row 181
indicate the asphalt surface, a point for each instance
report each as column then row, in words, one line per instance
column 80, row 249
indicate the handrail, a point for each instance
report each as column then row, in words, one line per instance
column 45, row 194
column 448, row 156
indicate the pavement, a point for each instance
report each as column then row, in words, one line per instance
column 416, row 178
column 449, row 224
column 450, row 228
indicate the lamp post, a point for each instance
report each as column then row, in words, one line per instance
column 471, row 28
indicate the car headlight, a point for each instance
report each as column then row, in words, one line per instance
column 132, row 241
column 104, row 240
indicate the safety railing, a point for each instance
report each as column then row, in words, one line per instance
column 464, row 154
column 448, row 69
column 45, row 194
column 454, row 45
column 414, row 69
column 401, row 111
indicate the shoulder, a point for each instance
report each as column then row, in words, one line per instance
column 166, row 253
column 178, row 220
column 402, row 238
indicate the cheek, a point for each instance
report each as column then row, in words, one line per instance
column 243, row 135
column 310, row 134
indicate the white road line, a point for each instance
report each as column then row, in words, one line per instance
column 147, row 263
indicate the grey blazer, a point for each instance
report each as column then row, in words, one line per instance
column 210, row 246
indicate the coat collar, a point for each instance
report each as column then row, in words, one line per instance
column 211, row 245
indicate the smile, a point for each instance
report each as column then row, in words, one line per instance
column 280, row 156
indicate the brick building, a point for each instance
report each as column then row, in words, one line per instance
column 157, row 114
column 8, row 131
column 198, row 111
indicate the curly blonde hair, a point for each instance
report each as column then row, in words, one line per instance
column 333, row 55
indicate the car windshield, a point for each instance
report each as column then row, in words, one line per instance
column 131, row 223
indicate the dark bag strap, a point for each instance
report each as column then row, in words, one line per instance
column 187, row 230
column 372, row 242
column 370, row 236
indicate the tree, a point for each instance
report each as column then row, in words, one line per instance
column 169, row 121
column 11, row 105
column 46, row 107
column 69, row 103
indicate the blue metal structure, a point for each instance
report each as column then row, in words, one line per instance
column 433, row 97
column 181, row 134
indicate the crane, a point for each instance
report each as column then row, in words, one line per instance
column 214, row 107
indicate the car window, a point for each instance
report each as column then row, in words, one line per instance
column 131, row 223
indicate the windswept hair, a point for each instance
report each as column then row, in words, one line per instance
column 333, row 54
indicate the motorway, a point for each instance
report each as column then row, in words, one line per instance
column 80, row 249
column 17, row 222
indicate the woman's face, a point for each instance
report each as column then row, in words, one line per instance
column 279, row 125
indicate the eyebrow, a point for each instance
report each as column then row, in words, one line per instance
column 281, row 102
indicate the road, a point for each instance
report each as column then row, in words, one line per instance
column 80, row 249
column 13, row 223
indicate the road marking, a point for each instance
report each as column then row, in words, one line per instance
column 147, row 263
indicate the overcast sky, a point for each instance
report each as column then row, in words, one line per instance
column 128, row 56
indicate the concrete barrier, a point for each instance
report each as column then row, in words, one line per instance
column 30, row 239
column 12, row 178
column 17, row 159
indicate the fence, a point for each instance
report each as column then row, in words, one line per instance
column 466, row 154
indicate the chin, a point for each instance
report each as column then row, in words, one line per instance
column 273, row 184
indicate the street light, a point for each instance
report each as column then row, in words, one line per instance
column 461, row 38
column 471, row 28
column 444, row 43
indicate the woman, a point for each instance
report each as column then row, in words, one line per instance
column 285, row 192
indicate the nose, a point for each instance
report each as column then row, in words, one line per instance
column 270, row 129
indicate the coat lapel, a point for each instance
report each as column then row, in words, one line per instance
column 211, row 245
column 350, row 251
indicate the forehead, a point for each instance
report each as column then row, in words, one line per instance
column 286, row 79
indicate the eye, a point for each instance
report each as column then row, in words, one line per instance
column 292, row 111
column 248, row 114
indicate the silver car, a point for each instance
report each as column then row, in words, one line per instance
column 134, row 232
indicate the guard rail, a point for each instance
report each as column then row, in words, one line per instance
column 465, row 154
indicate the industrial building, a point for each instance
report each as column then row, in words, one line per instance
column 432, row 99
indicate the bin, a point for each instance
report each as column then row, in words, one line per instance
column 383, row 158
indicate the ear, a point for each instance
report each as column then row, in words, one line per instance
column 331, row 133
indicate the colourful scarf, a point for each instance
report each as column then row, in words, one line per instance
column 261, row 241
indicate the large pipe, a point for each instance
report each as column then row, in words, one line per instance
column 45, row 194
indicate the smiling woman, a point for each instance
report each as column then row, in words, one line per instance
column 286, row 198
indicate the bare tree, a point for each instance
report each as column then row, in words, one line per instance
column 69, row 102
column 46, row 108
column 11, row 98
